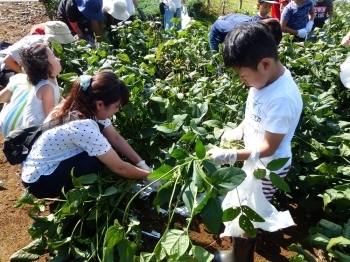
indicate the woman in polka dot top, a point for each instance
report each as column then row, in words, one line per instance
column 86, row 144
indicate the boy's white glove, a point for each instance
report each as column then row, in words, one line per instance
column 302, row 33
column 172, row 6
column 309, row 26
column 223, row 156
column 231, row 135
column 142, row 164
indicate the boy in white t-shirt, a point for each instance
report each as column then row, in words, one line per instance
column 272, row 111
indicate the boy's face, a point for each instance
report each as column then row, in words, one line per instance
column 254, row 78
column 264, row 8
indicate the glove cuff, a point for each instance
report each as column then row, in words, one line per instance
column 138, row 8
column 141, row 163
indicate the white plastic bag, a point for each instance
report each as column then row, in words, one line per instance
column 251, row 194
column 185, row 19
column 345, row 72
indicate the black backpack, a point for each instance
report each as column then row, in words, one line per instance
column 19, row 142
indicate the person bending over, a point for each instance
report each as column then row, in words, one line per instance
column 86, row 141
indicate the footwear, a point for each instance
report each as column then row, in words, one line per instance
column 242, row 251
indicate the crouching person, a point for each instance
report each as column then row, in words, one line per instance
column 84, row 139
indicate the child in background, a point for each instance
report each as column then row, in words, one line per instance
column 14, row 96
column 264, row 7
column 324, row 12
column 87, row 142
column 298, row 18
column 42, row 68
column 226, row 23
column 272, row 113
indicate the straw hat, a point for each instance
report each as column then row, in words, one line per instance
column 91, row 9
column 57, row 31
column 116, row 8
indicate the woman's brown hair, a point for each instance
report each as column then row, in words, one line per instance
column 104, row 86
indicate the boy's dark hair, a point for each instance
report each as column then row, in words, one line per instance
column 275, row 28
column 104, row 86
column 247, row 44
column 35, row 63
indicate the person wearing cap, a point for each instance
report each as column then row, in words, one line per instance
column 276, row 10
column 297, row 19
column 55, row 31
column 114, row 11
column 324, row 12
column 264, row 7
column 82, row 17
column 225, row 24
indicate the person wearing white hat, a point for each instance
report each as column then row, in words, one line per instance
column 114, row 12
column 55, row 31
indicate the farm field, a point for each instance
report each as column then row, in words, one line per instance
column 181, row 104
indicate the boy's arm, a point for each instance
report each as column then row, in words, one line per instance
column 312, row 15
column 286, row 29
column 267, row 148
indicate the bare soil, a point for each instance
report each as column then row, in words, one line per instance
column 15, row 22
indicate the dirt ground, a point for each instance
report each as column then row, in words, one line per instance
column 15, row 22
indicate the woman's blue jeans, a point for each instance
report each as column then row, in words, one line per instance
column 168, row 15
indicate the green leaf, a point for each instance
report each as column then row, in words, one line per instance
column 175, row 242
column 189, row 196
column 247, row 225
column 251, row 214
column 110, row 191
column 277, row 164
column 24, row 256
column 179, row 153
column 147, row 257
column 189, row 136
column 259, row 173
column 164, row 169
column 212, row 215
column 278, row 182
column 75, row 198
column 299, row 250
column 201, row 254
column 114, row 235
column 227, row 178
column 230, row 214
column 58, row 243
column 338, row 241
column 212, row 123
column 127, row 250
column 87, row 179
column 317, row 240
column 200, row 149
column 329, row 228
column 326, row 169
column 26, row 199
